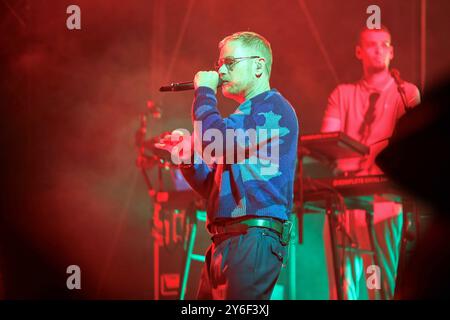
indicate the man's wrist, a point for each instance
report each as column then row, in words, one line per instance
column 205, row 90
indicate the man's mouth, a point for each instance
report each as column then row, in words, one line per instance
column 225, row 83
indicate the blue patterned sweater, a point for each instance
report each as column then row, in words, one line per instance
column 261, row 185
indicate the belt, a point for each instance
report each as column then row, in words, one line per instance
column 241, row 226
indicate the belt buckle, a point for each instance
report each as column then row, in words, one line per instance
column 286, row 232
column 216, row 229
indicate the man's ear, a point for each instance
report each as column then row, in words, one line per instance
column 358, row 52
column 260, row 65
column 392, row 53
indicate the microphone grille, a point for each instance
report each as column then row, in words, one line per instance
column 395, row 73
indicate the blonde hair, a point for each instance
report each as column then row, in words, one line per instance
column 254, row 41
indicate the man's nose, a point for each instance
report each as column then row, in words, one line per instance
column 222, row 70
column 379, row 48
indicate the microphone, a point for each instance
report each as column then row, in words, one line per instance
column 399, row 81
column 182, row 86
column 396, row 75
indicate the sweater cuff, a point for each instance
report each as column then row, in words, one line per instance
column 204, row 91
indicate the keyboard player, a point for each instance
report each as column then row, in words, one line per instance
column 367, row 111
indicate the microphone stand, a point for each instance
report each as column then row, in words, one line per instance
column 402, row 93
column 143, row 162
column 400, row 88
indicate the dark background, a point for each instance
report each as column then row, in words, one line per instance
column 71, row 99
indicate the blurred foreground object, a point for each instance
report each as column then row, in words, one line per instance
column 418, row 158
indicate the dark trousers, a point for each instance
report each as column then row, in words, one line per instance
column 242, row 266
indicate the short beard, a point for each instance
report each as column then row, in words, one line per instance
column 228, row 90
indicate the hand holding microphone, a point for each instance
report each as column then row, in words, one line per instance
column 208, row 79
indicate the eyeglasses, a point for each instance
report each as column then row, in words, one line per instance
column 230, row 62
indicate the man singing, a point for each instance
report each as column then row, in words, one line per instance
column 249, row 193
